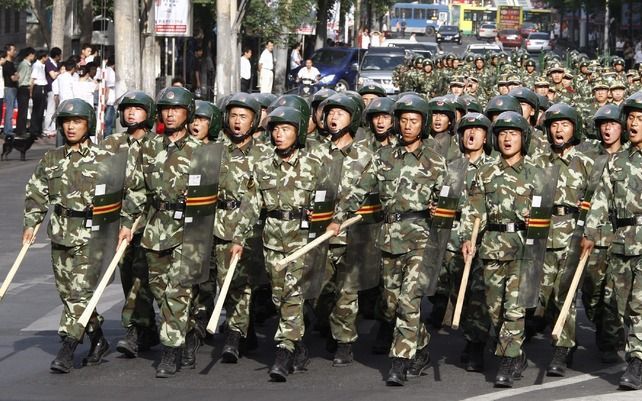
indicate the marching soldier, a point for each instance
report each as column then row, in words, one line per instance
column 65, row 178
column 371, row 92
column 442, row 128
column 618, row 194
column 137, row 113
column 378, row 116
column 410, row 176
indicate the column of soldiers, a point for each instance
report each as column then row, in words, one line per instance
column 548, row 165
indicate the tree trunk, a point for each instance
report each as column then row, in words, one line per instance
column 280, row 65
column 322, row 24
column 127, row 43
column 58, row 18
column 86, row 25
column 356, row 18
column 223, row 49
column 150, row 49
column 37, row 7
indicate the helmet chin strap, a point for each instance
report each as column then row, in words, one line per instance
column 170, row 131
column 286, row 152
column 382, row 137
column 404, row 143
column 336, row 135
column 131, row 128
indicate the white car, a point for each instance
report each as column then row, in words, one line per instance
column 483, row 48
column 487, row 31
column 538, row 41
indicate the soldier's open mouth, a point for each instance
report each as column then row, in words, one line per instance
column 634, row 131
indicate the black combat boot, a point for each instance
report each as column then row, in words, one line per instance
column 383, row 341
column 65, row 359
column 519, row 366
column 632, row 377
column 128, row 345
column 398, row 371
column 343, row 356
column 504, row 376
column 192, row 344
column 561, row 358
column 419, row 363
column 250, row 342
column 609, row 356
column 168, row 364
column 282, row 365
column 231, row 347
column 148, row 337
column 301, row 357
column 475, row 360
column 99, row 348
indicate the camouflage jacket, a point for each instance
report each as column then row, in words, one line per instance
column 446, row 145
column 539, row 144
column 162, row 176
column 284, row 186
column 67, row 178
column 408, row 182
column 575, row 168
column 499, row 194
column 358, row 178
column 235, row 179
column 619, row 194
column 370, row 142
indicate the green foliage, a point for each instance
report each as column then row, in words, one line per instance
column 281, row 17
column 15, row 4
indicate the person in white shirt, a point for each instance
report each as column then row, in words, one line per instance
column 86, row 87
column 266, row 68
column 308, row 72
column 38, row 93
column 109, row 75
column 295, row 57
column 3, row 58
column 365, row 39
column 51, row 70
column 246, row 71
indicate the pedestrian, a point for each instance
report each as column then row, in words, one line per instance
column 628, row 55
column 38, row 94
column 266, row 68
column 246, row 71
column 197, row 66
column 295, row 57
column 3, row 59
column 365, row 39
column 109, row 76
column 27, row 56
column 65, row 180
column 52, row 69
column 63, row 88
column 10, row 75
column 86, row 86
column 85, row 54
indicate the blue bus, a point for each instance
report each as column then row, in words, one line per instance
column 417, row 18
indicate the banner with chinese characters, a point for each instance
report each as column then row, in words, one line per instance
column 173, row 18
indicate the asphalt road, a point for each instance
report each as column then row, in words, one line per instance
column 28, row 342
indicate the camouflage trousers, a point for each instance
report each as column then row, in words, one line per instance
column 239, row 295
column 134, row 274
column 626, row 275
column 173, row 298
column 501, row 278
column 600, row 304
column 401, row 302
column 287, row 297
column 76, row 280
column 340, row 302
column 550, row 303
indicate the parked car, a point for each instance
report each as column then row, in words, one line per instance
column 483, row 48
column 526, row 28
column 538, row 41
column 424, row 49
column 510, row 38
column 378, row 64
column 487, row 31
column 448, row 33
column 338, row 67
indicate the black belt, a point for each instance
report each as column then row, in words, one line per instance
column 64, row 212
column 395, row 217
column 507, row 227
column 458, row 215
column 562, row 210
column 629, row 221
column 286, row 215
column 162, row 206
column 228, row 204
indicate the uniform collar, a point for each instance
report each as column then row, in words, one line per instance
column 345, row 151
column 245, row 149
column 85, row 147
column 179, row 144
column 518, row 167
column 633, row 150
column 400, row 150
column 565, row 157
column 277, row 160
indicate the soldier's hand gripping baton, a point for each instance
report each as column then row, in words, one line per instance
column 464, row 277
column 104, row 281
column 280, row 265
column 17, row 263
column 570, row 296
column 211, row 325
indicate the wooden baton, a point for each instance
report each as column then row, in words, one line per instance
column 464, row 277
column 218, row 308
column 17, row 263
column 570, row 296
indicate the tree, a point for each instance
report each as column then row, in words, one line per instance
column 127, row 43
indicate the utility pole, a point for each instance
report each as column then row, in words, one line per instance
column 127, row 43
column 607, row 22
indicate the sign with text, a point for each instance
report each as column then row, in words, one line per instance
column 509, row 17
column 173, row 18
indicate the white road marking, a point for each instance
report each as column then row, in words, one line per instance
column 113, row 295
column 549, row 385
column 46, row 279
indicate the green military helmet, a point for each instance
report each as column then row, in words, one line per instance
column 469, row 58
column 76, row 108
column 555, row 67
column 472, row 105
column 413, row 103
column 264, row 99
column 631, row 103
column 458, row 102
column 176, row 96
column 618, row 61
column 512, row 120
column 137, row 99
column 563, row 111
column 347, row 103
column 451, row 56
column 609, row 112
column 445, row 106
column 530, row 63
column 373, row 89
column 584, row 63
column 358, row 100
column 599, row 84
column 544, row 102
column 292, row 116
column 381, row 105
column 526, row 95
column 478, row 57
column 319, row 96
column 500, row 104
column 418, row 62
column 246, row 101
column 222, row 101
column 471, row 120
column 209, row 111
column 429, row 62
column 294, row 101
